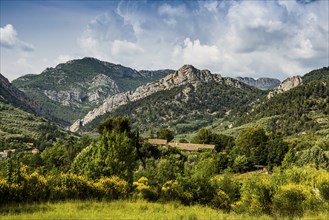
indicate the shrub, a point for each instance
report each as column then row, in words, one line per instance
column 290, row 200
column 169, row 190
column 256, row 196
column 221, row 201
column 112, row 187
column 144, row 191
column 70, row 186
column 35, row 187
column 4, row 191
column 323, row 186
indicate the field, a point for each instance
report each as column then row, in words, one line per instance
column 121, row 210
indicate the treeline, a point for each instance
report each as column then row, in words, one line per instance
column 120, row 164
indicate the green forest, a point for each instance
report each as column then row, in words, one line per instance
column 256, row 173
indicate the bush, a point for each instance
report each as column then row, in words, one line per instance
column 144, row 191
column 290, row 200
column 112, row 187
column 256, row 196
column 5, row 190
column 35, row 187
column 169, row 190
column 70, row 186
column 323, row 186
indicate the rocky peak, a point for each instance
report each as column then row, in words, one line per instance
column 261, row 83
column 286, row 85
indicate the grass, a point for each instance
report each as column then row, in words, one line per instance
column 112, row 210
column 121, row 210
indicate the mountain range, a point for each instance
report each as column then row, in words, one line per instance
column 81, row 93
column 70, row 90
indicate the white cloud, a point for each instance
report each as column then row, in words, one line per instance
column 122, row 48
column 257, row 38
column 169, row 10
column 8, row 39
column 193, row 52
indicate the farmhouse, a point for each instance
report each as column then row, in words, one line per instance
column 183, row 146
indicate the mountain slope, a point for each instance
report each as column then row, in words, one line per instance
column 19, row 121
column 303, row 109
column 184, row 96
column 261, row 83
column 10, row 94
column 71, row 89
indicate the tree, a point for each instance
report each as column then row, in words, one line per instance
column 252, row 142
column 277, row 149
column 119, row 124
column 165, row 133
column 113, row 154
column 202, row 137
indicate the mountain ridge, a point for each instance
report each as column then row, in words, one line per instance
column 71, row 89
column 262, row 83
column 186, row 75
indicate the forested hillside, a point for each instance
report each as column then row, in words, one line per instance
column 71, row 89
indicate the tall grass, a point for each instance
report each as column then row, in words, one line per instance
column 121, row 209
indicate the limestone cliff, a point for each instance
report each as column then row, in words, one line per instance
column 286, row 85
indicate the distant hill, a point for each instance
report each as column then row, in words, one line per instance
column 11, row 95
column 302, row 108
column 71, row 89
column 184, row 101
column 261, row 83
column 20, row 120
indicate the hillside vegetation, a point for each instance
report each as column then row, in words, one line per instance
column 18, row 127
column 71, row 89
column 186, row 108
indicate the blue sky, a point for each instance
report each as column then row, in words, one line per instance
column 274, row 38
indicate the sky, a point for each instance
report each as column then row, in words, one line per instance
column 255, row 38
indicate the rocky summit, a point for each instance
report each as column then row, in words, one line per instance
column 286, row 85
column 261, row 83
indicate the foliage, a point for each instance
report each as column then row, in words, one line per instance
column 113, row 154
column 165, row 133
column 112, row 187
column 144, row 191
column 290, row 200
column 18, row 127
column 118, row 124
column 222, row 142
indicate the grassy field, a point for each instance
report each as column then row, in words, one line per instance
column 120, row 210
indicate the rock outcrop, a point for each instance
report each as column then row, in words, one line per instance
column 261, row 83
column 186, row 74
column 286, row 85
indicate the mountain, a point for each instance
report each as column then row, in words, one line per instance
column 300, row 106
column 11, row 95
column 261, row 83
column 20, row 122
column 286, row 85
column 71, row 89
column 185, row 96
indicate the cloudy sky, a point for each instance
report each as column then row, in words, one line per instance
column 274, row 38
